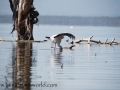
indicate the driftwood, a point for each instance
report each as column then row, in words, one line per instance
column 105, row 42
column 37, row 41
column 89, row 40
column 1, row 39
column 20, row 41
column 70, row 47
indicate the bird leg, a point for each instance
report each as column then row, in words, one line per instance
column 55, row 46
column 52, row 45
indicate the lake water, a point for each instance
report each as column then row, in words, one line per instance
column 36, row 66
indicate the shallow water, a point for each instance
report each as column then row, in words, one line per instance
column 86, row 67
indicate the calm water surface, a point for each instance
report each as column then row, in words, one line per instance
column 86, row 67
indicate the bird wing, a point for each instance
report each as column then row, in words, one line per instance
column 65, row 34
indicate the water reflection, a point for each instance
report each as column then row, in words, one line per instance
column 56, row 57
column 22, row 65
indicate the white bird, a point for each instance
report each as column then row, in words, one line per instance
column 56, row 39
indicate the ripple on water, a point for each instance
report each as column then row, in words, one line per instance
column 86, row 67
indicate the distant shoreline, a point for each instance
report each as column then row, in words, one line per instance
column 70, row 20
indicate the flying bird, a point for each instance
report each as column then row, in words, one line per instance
column 56, row 39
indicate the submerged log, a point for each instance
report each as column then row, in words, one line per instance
column 77, row 41
column 70, row 47
column 1, row 39
column 112, row 41
column 22, row 40
column 106, row 41
column 89, row 40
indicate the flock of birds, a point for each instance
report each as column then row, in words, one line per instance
column 56, row 39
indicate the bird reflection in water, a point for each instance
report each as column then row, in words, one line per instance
column 56, row 58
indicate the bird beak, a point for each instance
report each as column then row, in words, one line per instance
column 47, row 37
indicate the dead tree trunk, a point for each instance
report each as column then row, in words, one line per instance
column 24, row 16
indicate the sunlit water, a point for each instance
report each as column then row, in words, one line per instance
column 86, row 67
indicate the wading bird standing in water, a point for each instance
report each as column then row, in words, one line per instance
column 56, row 39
